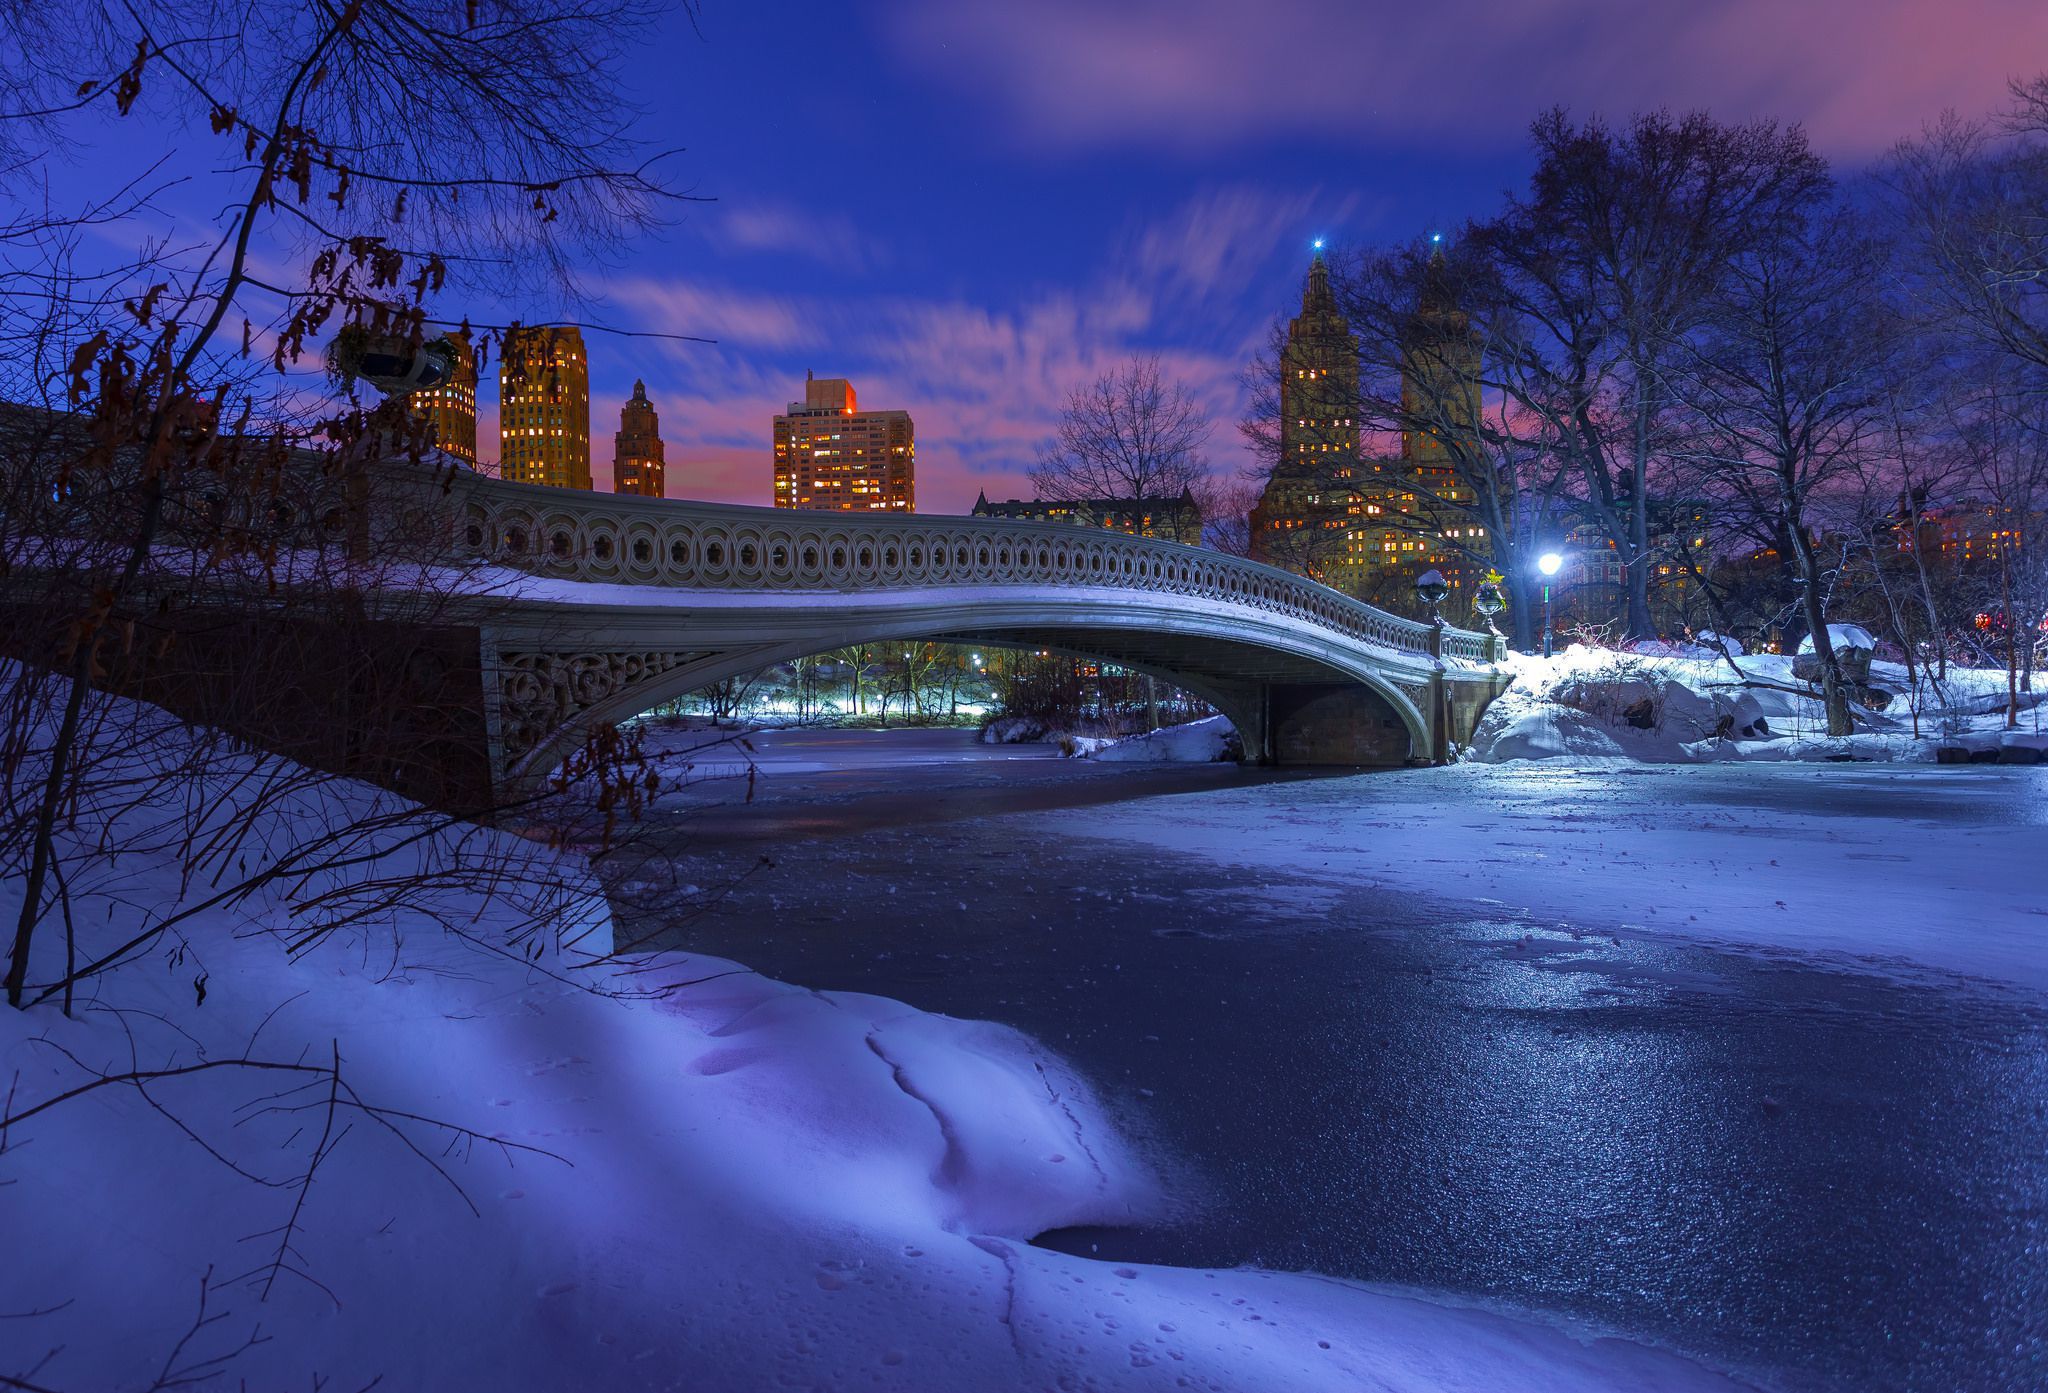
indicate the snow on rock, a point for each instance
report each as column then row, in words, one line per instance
column 1841, row 636
column 1012, row 730
column 735, row 1184
column 1544, row 730
column 1668, row 707
column 1206, row 741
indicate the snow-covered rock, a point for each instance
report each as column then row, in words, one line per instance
column 1843, row 638
column 1012, row 730
column 1588, row 703
column 1207, row 741
column 1543, row 730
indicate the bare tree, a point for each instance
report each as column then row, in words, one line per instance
column 370, row 152
column 1604, row 265
column 1130, row 434
column 1782, row 390
column 1971, row 198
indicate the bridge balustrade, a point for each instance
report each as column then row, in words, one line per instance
column 608, row 539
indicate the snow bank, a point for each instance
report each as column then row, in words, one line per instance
column 1662, row 704
column 1206, row 741
column 733, row 1184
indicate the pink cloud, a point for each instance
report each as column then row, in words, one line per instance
column 1190, row 74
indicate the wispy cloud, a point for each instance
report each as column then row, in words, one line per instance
column 739, row 224
column 1191, row 74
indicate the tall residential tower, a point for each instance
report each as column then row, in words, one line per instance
column 451, row 407
column 1304, row 516
column 544, row 407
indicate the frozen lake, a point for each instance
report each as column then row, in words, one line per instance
column 1823, row 1172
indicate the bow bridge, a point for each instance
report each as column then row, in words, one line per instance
column 600, row 606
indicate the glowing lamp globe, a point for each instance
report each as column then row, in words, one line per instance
column 1549, row 563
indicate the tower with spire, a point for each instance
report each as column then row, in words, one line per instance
column 638, row 462
column 1304, row 516
column 1418, row 504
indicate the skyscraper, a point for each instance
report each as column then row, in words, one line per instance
column 1421, row 499
column 831, row 455
column 451, row 408
column 1304, row 516
column 638, row 463
column 544, row 407
column 1366, row 524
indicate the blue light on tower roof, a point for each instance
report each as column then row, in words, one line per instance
column 1317, row 244
column 1436, row 237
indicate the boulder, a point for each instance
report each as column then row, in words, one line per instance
column 2018, row 754
column 1951, row 754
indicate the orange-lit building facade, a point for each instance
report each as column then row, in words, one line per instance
column 450, row 409
column 639, row 461
column 831, row 456
column 544, row 407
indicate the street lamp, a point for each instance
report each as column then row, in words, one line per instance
column 1548, row 563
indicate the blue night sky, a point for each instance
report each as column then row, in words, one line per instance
column 970, row 208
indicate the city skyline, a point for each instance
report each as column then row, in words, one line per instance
column 1036, row 227
column 1020, row 221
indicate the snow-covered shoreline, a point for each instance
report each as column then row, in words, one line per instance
column 736, row 1184
column 1689, row 706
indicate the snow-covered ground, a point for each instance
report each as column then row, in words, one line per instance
column 733, row 1184
column 1687, row 706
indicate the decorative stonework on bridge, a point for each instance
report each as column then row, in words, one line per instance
column 541, row 693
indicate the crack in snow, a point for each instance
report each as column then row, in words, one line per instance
column 1101, row 1175
column 1003, row 1253
column 950, row 1165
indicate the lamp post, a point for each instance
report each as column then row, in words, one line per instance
column 1431, row 588
column 1548, row 563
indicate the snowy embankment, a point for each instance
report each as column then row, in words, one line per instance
column 733, row 1184
column 1687, row 706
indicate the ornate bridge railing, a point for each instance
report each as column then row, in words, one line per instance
column 620, row 540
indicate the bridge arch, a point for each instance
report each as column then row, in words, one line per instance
column 618, row 603
column 1235, row 657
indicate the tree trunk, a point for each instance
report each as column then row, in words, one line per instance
column 1834, row 691
column 1637, row 568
